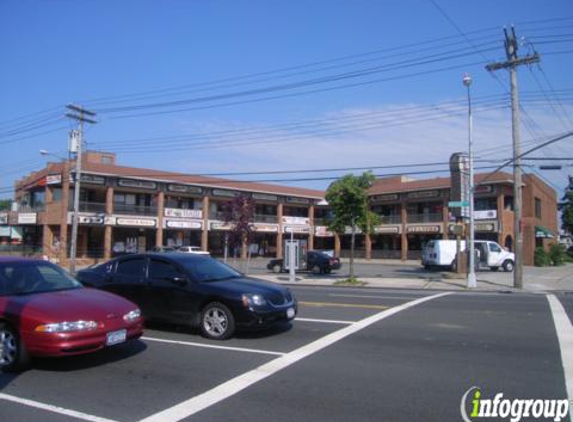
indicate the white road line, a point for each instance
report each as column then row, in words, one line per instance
column 54, row 409
column 325, row 321
column 565, row 335
column 237, row 384
column 374, row 297
column 211, row 346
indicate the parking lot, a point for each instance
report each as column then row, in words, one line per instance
column 362, row 354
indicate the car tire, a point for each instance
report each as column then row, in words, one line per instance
column 217, row 321
column 508, row 265
column 316, row 270
column 494, row 269
column 13, row 354
column 276, row 268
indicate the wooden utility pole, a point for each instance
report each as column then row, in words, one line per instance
column 513, row 61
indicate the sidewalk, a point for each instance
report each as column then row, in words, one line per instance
column 537, row 280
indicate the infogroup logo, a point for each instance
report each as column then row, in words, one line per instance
column 512, row 409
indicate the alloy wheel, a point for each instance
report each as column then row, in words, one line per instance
column 8, row 348
column 215, row 322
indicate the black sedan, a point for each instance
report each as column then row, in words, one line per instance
column 193, row 290
column 314, row 261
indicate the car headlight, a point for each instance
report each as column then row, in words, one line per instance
column 253, row 300
column 67, row 326
column 132, row 315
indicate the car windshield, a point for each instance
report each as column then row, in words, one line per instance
column 17, row 278
column 209, row 269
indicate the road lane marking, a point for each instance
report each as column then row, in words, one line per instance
column 373, row 297
column 326, row 321
column 54, row 409
column 230, row 388
column 565, row 335
column 343, row 305
column 212, row 346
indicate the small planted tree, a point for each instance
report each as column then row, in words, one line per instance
column 239, row 213
column 349, row 202
column 566, row 208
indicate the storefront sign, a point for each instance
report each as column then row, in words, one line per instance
column 483, row 189
column 53, row 179
column 424, row 194
column 322, row 231
column 85, row 219
column 93, row 180
column 265, row 197
column 295, row 220
column 226, row 193
column 266, row 228
column 485, row 215
column 486, row 227
column 183, row 213
column 423, row 229
column 348, row 230
column 174, row 224
column 27, row 218
column 296, row 229
column 184, row 189
column 385, row 198
column 220, row 226
column 293, row 200
column 139, row 184
column 4, row 218
column 387, row 229
column 139, row 222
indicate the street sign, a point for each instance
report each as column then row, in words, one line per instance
column 458, row 204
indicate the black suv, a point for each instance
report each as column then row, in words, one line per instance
column 314, row 261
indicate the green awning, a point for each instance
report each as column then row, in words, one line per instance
column 543, row 233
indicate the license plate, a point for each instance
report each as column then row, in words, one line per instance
column 116, row 337
column 290, row 313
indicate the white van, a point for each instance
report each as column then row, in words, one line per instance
column 442, row 253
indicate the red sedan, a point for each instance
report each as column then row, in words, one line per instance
column 45, row 312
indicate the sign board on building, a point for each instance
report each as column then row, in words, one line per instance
column 266, row 228
column 220, row 226
column 385, row 198
column 486, row 227
column 184, row 189
column 138, row 222
column 27, row 218
column 226, row 193
column 293, row 200
column 296, row 229
column 295, row 220
column 53, row 179
column 483, row 189
column 91, row 219
column 460, row 183
column 348, row 230
column 5, row 231
column 174, row 224
column 322, row 231
column 424, row 229
column 423, row 194
column 93, row 180
column 138, row 184
column 183, row 213
column 265, row 197
column 387, row 229
column 485, row 215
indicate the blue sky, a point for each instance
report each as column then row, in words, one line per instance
column 62, row 51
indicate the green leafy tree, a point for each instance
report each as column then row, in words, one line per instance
column 5, row 204
column 348, row 198
column 566, row 207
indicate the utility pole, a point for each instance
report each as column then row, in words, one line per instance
column 80, row 115
column 513, row 61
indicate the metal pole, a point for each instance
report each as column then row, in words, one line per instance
column 78, row 177
column 471, row 283
column 292, row 258
column 518, row 271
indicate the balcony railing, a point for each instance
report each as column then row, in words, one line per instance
column 217, row 215
column 437, row 217
column 390, row 219
column 134, row 209
column 31, row 208
column 264, row 218
column 85, row 206
column 322, row 221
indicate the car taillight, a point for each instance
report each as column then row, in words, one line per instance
column 331, row 261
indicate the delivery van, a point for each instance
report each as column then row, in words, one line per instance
column 442, row 253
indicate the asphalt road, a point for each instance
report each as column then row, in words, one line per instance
column 352, row 354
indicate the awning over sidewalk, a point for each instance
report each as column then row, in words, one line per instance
column 543, row 233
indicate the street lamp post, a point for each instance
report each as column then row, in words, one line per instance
column 467, row 80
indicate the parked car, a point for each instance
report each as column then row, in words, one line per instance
column 193, row 290
column 192, row 249
column 162, row 249
column 315, row 261
column 442, row 253
column 45, row 312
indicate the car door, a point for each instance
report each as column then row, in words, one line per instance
column 128, row 281
column 170, row 292
column 495, row 254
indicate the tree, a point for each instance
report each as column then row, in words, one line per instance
column 348, row 198
column 566, row 208
column 239, row 213
column 5, row 204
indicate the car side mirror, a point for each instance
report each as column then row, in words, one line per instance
column 178, row 281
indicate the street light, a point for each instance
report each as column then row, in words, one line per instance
column 46, row 153
column 467, row 80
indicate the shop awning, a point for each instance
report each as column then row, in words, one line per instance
column 543, row 233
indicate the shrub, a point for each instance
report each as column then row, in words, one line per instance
column 541, row 258
column 557, row 254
